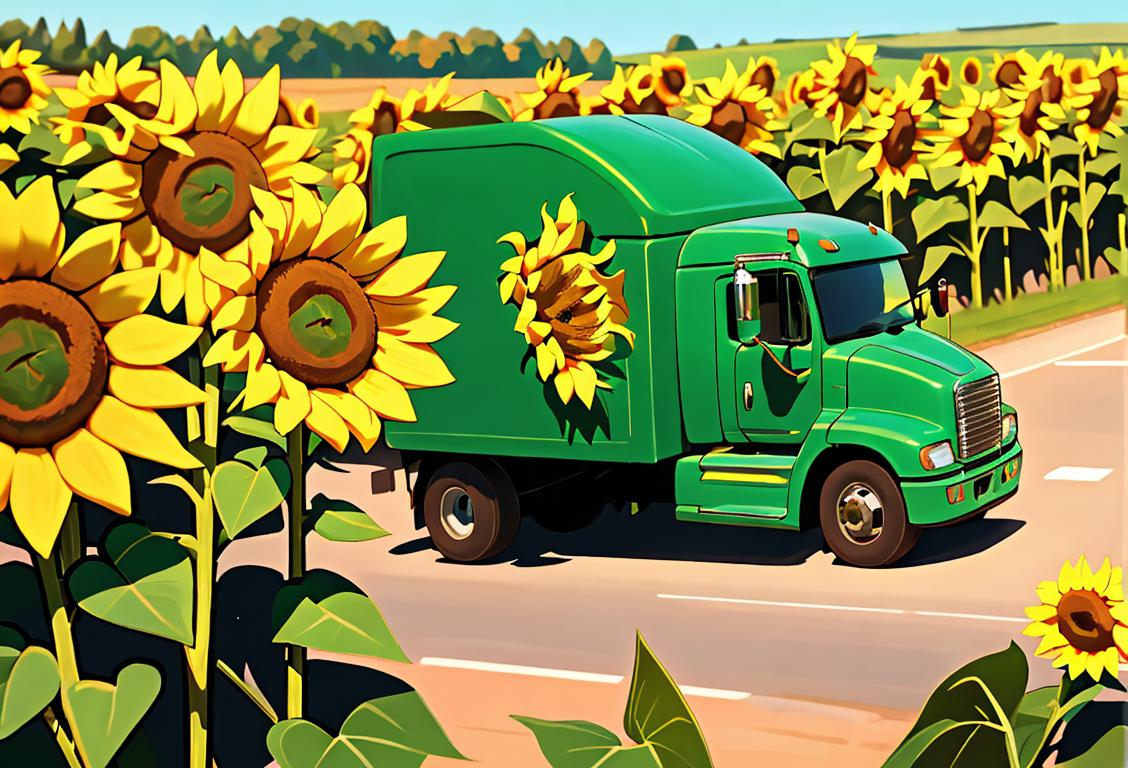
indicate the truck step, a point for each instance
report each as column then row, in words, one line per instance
column 723, row 486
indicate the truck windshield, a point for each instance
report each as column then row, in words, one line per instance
column 862, row 299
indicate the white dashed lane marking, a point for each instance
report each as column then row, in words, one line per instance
column 832, row 607
column 1079, row 474
column 1092, row 363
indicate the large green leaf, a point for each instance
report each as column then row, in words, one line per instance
column 29, row 680
column 580, row 744
column 806, row 127
column 1063, row 178
column 338, row 520
column 1004, row 674
column 147, row 583
column 391, row 732
column 996, row 215
column 943, row 176
column 104, row 714
column 256, row 428
column 243, row 495
column 1025, row 191
column 930, row 216
column 657, row 714
column 934, row 258
column 912, row 748
column 330, row 613
column 843, row 179
column 1107, row 752
column 1115, row 257
column 804, row 182
column 1063, row 146
column 1030, row 720
column 1093, row 195
column 1102, row 164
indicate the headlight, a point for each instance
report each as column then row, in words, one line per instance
column 937, row 455
column 1010, row 426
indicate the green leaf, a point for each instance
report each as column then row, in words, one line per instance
column 996, row 215
column 805, row 182
column 104, row 714
column 912, row 749
column 280, row 471
column 1063, row 146
column 805, row 126
column 843, row 179
column 930, row 216
column 29, row 681
column 942, row 177
column 1030, row 720
column 1108, row 751
column 147, row 585
column 337, row 520
column 243, row 495
column 1004, row 674
column 1102, row 164
column 262, row 430
column 1115, row 257
column 934, row 258
column 580, row 744
column 1024, row 192
column 657, row 714
column 391, row 732
column 330, row 613
column 314, row 442
column 1063, row 178
column 253, row 456
column 1093, row 195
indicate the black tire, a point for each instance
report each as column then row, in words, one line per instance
column 868, row 492
column 481, row 508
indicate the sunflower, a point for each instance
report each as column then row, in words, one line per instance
column 935, row 73
column 338, row 327
column 570, row 311
column 631, row 91
column 797, row 91
column 971, row 71
column 9, row 156
column 435, row 97
column 352, row 155
column 1082, row 620
column 1037, row 104
column 128, row 86
column 672, row 83
column 303, row 114
column 841, row 83
column 81, row 368
column 557, row 95
column 23, row 91
column 182, row 179
column 970, row 136
column 1009, row 68
column 1100, row 99
column 896, row 138
column 735, row 108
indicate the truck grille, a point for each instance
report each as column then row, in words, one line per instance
column 979, row 416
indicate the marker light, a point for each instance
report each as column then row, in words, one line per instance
column 937, row 455
column 793, row 236
column 828, row 245
column 1010, row 426
column 955, row 494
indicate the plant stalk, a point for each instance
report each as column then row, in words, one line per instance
column 295, row 526
column 1008, row 289
column 975, row 246
column 1082, row 192
column 887, row 210
column 1053, row 234
column 66, row 746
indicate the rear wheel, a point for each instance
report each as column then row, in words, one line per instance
column 862, row 515
column 471, row 510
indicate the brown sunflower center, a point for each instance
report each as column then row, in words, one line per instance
column 764, row 77
column 1008, row 74
column 852, row 82
column 971, row 72
column 1085, row 621
column 1031, row 111
column 728, row 122
column 897, row 146
column 651, row 105
column 1104, row 100
column 316, row 322
column 205, row 200
column 15, row 89
column 674, row 80
column 928, row 90
column 558, row 105
column 1052, row 86
column 101, row 115
column 980, row 133
column 385, row 120
column 52, row 363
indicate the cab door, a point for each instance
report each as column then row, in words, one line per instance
column 778, row 395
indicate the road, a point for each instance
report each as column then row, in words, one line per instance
column 747, row 617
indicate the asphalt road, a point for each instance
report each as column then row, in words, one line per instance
column 767, row 613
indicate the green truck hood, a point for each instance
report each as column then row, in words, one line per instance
column 929, row 348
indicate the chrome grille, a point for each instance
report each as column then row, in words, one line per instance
column 978, row 416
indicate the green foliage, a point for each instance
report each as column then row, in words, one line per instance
column 243, row 495
column 805, row 182
column 29, row 681
column 1108, row 751
column 931, row 216
column 330, row 613
column 104, row 714
column 1025, row 192
column 843, row 179
column 144, row 582
column 392, row 732
column 580, row 744
column 256, row 428
column 1094, row 193
column 995, row 215
column 337, row 520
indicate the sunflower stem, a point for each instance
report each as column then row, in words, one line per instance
column 66, row 746
column 1083, row 195
column 1052, row 236
column 296, row 654
column 887, row 209
column 975, row 248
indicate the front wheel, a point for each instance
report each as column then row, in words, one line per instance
column 471, row 510
column 862, row 514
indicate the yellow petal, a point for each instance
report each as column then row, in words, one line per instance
column 293, row 404
column 258, row 109
column 7, row 459
column 326, row 422
column 385, row 395
column 1120, row 637
column 1048, row 593
column 564, row 386
column 1102, row 576
column 1095, row 665
column 341, row 223
column 583, row 377
column 1051, row 642
column 304, row 223
column 546, row 363
column 149, row 340
column 37, row 211
column 139, row 433
column 263, row 385
column 415, row 365
column 406, row 274
column 1077, row 665
column 238, row 313
column 94, row 470
column 426, row 330
column 1041, row 612
column 114, row 176
column 122, row 295
column 90, row 258
column 156, row 387
column 358, row 417
column 526, row 314
column 376, row 249
column 208, row 90
column 228, row 274
column 39, row 498
column 506, row 286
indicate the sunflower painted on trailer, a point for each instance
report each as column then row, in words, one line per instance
column 182, row 179
column 571, row 313
column 23, row 91
column 1037, row 105
column 631, row 91
column 1100, row 98
column 897, row 135
column 339, row 327
column 672, row 83
column 841, row 83
column 82, row 369
column 1083, row 620
column 735, row 108
column 127, row 86
column 971, row 137
column 557, row 95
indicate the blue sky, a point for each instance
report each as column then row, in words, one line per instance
column 626, row 27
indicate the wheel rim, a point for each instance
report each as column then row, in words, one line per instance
column 860, row 514
column 456, row 511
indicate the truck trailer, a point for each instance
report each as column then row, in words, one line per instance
column 768, row 367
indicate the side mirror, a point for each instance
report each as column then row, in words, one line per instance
column 942, row 297
column 746, row 291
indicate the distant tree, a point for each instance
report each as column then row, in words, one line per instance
column 600, row 61
column 681, row 43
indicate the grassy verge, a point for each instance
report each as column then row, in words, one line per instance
column 1032, row 310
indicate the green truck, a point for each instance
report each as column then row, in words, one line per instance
column 766, row 366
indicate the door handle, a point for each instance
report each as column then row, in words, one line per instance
column 747, row 395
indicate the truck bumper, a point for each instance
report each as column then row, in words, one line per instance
column 949, row 499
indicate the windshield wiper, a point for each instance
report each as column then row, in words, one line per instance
column 877, row 325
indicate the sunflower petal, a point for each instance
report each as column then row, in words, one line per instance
column 1041, row 612
column 1048, row 592
column 358, row 417
column 327, row 423
column 375, row 249
column 90, row 258
column 413, row 364
column 94, row 470
column 140, row 433
column 293, row 404
column 7, row 460
column 384, row 395
column 122, row 295
column 39, row 498
column 341, row 223
column 258, row 109
column 149, row 340
column 1051, row 641
column 263, row 385
column 156, row 387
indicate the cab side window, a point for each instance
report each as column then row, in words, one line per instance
column 784, row 318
